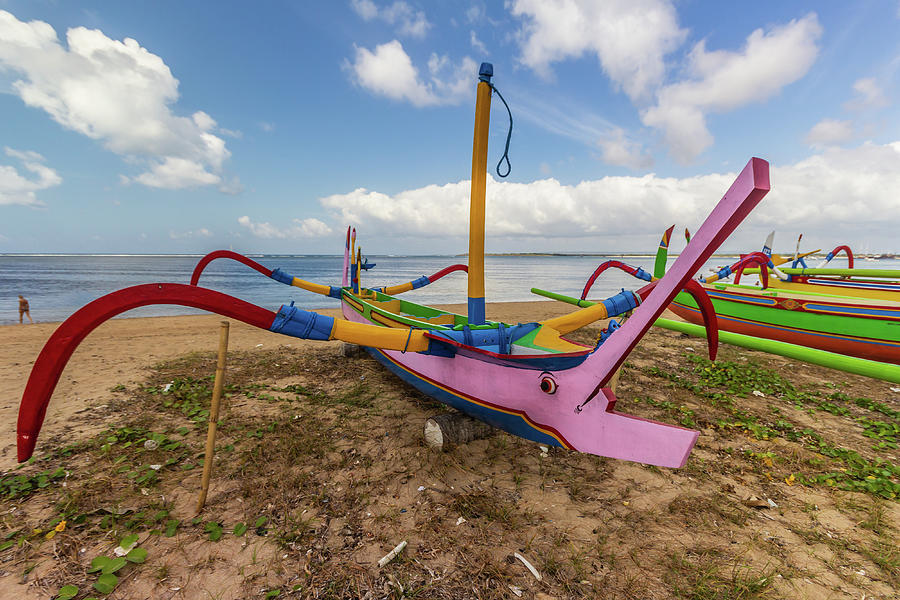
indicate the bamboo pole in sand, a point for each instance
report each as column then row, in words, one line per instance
column 218, row 386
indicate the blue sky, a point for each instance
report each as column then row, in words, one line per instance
column 164, row 127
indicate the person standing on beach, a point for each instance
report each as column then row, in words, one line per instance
column 24, row 310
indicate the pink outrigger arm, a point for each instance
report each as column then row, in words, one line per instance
column 587, row 417
column 745, row 193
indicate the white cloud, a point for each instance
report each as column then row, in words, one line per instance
column 186, row 235
column 869, row 95
column 541, row 208
column 724, row 80
column 267, row 127
column 116, row 92
column 409, row 21
column 855, row 187
column 16, row 188
column 617, row 149
column 298, row 228
column 365, row 9
column 388, row 71
column 828, row 132
column 630, row 38
column 476, row 43
column 846, row 186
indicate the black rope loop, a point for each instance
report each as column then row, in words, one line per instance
column 508, row 134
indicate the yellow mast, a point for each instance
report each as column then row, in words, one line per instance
column 476, row 205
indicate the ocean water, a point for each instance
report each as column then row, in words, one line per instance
column 57, row 286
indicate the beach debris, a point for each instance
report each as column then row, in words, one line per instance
column 156, row 467
column 528, row 566
column 421, row 488
column 151, row 445
column 758, row 393
column 259, row 345
column 392, row 554
column 126, row 545
column 515, row 590
column 895, row 389
column 460, row 520
column 688, row 349
column 757, row 502
column 168, row 387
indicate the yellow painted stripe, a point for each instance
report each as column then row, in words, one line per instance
column 479, row 177
column 575, row 320
column 309, row 286
column 398, row 289
column 413, row 340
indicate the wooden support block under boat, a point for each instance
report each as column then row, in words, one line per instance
column 452, row 429
column 349, row 350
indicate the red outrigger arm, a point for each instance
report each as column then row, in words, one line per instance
column 754, row 258
column 710, row 321
column 53, row 358
column 198, row 270
column 697, row 292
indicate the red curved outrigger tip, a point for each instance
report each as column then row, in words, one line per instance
column 754, row 258
column 59, row 348
column 198, row 270
column 604, row 266
column 710, row 321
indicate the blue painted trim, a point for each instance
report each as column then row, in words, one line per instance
column 620, row 303
column 421, row 281
column 282, row 277
column 833, row 336
column 642, row 274
column 302, row 324
column 476, row 311
column 853, row 310
column 739, row 298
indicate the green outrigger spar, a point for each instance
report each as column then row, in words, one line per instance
column 848, row 364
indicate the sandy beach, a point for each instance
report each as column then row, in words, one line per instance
column 322, row 470
column 120, row 351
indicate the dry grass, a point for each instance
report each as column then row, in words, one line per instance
column 320, row 471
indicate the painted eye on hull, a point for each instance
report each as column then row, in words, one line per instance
column 548, row 385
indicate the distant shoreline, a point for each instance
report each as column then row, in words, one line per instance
column 886, row 256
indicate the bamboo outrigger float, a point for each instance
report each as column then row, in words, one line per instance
column 524, row 378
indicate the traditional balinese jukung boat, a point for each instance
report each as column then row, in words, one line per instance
column 853, row 326
column 874, row 284
column 524, row 378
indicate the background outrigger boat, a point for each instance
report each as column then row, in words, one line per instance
column 852, row 326
column 874, row 284
column 524, row 378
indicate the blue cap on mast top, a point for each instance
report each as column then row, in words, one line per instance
column 486, row 71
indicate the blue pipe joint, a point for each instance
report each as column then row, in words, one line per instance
column 604, row 334
column 829, row 256
column 642, row 274
column 282, row 277
column 334, row 292
column 302, row 324
column 621, row 303
column 421, row 281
